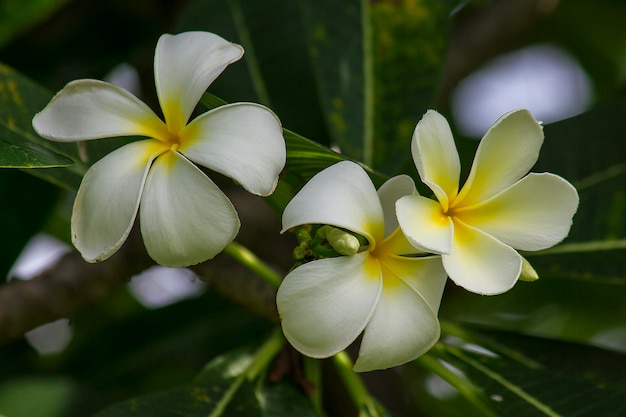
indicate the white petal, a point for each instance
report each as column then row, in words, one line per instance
column 341, row 195
column 389, row 193
column 108, row 197
column 426, row 275
column 480, row 263
column 402, row 328
column 424, row 224
column 184, row 66
column 325, row 304
column 506, row 153
column 534, row 213
column 91, row 109
column 243, row 141
column 436, row 157
column 185, row 217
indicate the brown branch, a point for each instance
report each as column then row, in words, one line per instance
column 71, row 284
column 65, row 288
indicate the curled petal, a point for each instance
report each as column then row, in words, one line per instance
column 185, row 217
column 534, row 213
column 480, row 263
column 424, row 224
column 402, row 328
column 436, row 157
column 389, row 193
column 505, row 154
column 91, row 109
column 184, row 66
column 243, row 141
column 108, row 197
column 342, row 195
column 325, row 304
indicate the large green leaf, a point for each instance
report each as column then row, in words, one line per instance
column 275, row 69
column 581, row 311
column 523, row 376
column 409, row 40
column 589, row 150
column 224, row 388
column 377, row 66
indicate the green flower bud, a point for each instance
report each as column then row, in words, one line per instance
column 343, row 242
column 528, row 273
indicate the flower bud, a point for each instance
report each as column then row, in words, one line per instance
column 343, row 242
column 528, row 273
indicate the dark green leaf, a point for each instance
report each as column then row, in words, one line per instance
column 523, row 376
column 284, row 400
column 409, row 38
column 337, row 33
column 275, row 69
column 192, row 401
column 581, row 311
column 20, row 146
column 589, row 150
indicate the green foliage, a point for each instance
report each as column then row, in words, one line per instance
column 356, row 75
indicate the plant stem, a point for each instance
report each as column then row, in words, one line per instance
column 356, row 388
column 254, row 263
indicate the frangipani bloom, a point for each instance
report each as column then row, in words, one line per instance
column 325, row 304
column 185, row 217
column 498, row 210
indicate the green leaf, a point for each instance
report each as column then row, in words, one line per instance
column 337, row 33
column 522, row 376
column 285, row 400
column 589, row 150
column 191, row 401
column 377, row 66
column 409, row 40
column 580, row 311
column 275, row 69
column 20, row 146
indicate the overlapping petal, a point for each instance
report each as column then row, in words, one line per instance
column 185, row 217
column 389, row 193
column 533, row 214
column 480, row 263
column 436, row 157
column 108, row 197
column 402, row 328
column 243, row 141
column 341, row 195
column 505, row 154
column 184, row 66
column 424, row 223
column 324, row 305
column 426, row 275
column 91, row 109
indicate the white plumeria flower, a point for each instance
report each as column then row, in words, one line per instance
column 325, row 304
column 185, row 217
column 498, row 210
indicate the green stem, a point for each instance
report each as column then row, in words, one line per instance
column 254, row 263
column 313, row 374
column 355, row 386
